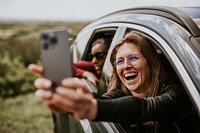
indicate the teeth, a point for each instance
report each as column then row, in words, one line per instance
column 130, row 74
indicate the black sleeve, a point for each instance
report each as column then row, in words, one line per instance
column 135, row 110
column 173, row 104
column 122, row 109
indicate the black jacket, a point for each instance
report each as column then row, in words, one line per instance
column 170, row 112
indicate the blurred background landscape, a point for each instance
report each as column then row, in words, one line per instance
column 21, row 23
column 20, row 110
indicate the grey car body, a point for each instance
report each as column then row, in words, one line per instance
column 176, row 35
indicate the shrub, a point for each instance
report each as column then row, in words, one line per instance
column 15, row 79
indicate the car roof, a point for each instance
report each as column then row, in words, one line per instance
column 188, row 17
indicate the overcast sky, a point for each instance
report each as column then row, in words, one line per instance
column 74, row 10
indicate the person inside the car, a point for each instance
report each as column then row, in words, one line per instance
column 140, row 94
column 90, row 69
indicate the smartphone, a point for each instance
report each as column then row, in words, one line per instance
column 55, row 55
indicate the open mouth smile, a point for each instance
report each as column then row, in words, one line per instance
column 130, row 76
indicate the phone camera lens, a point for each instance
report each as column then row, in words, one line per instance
column 48, row 41
column 53, row 40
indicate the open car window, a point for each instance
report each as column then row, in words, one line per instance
column 106, row 33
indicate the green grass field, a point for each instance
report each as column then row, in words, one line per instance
column 24, row 114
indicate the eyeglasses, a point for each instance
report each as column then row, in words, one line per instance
column 98, row 55
column 133, row 58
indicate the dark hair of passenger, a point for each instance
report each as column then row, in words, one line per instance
column 104, row 41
